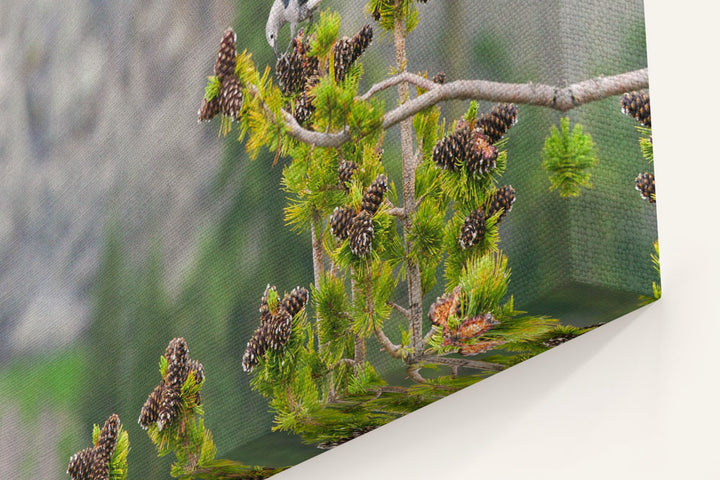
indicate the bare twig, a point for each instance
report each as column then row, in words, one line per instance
column 397, row 212
column 429, row 334
column 402, row 310
column 345, row 361
column 392, row 349
column 416, row 80
column 413, row 372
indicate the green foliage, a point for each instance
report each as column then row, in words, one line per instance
column 567, row 157
column 385, row 12
column 212, row 89
column 332, row 308
column 646, row 145
column 484, row 282
column 325, row 34
column 472, row 111
column 470, row 190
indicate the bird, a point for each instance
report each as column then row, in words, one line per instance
column 287, row 11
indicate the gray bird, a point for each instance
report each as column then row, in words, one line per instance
column 288, row 11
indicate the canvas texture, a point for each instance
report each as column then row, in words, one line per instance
column 134, row 238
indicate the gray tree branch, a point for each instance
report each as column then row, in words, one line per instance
column 538, row 94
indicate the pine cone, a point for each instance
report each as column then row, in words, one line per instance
column 225, row 63
column 99, row 469
column 361, row 233
column 481, row 156
column 503, row 199
column 345, row 172
column 177, row 363
column 197, row 370
column 340, row 222
column 264, row 307
column 496, row 123
column 255, row 349
column 343, row 58
column 294, row 69
column 361, row 41
column 348, row 50
column 637, row 105
column 290, row 73
column 304, row 107
column 473, row 229
column 373, row 197
column 476, row 326
column 280, row 329
column 439, row 78
column 209, row 109
column 645, row 184
column 294, row 301
column 443, row 307
column 151, row 409
column 231, row 97
column 451, row 151
column 107, row 441
column 169, row 404
column 80, row 464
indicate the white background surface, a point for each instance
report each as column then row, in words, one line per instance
column 636, row 399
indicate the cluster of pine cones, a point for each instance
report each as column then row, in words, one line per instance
column 163, row 404
column 93, row 463
column 229, row 101
column 356, row 226
column 298, row 73
column 470, row 329
column 275, row 324
column 473, row 228
column 348, row 50
column 471, row 144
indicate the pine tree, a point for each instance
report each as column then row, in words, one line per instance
column 369, row 231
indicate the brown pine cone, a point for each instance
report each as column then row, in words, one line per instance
column 340, row 222
column 503, row 199
column 645, row 184
column 637, row 105
column 473, row 229
column 231, row 97
column 209, row 109
column 361, row 234
column 498, row 121
column 225, row 63
column 373, row 196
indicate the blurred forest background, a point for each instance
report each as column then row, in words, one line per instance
column 124, row 223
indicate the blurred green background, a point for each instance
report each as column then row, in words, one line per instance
column 145, row 279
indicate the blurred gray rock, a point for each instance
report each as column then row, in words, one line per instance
column 98, row 105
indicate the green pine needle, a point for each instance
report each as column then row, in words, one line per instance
column 568, row 157
column 212, row 89
column 325, row 34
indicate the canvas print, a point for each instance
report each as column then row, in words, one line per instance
column 238, row 234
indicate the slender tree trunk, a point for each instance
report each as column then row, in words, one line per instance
column 408, row 188
column 317, row 248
